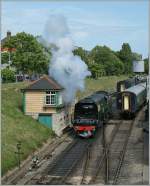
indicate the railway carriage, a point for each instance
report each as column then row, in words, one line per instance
column 90, row 112
column 125, row 84
column 133, row 99
column 121, row 86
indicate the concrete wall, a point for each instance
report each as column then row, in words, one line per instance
column 60, row 121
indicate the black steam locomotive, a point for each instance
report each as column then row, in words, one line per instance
column 90, row 112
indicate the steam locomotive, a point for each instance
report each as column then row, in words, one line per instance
column 91, row 112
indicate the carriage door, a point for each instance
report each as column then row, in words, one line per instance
column 126, row 102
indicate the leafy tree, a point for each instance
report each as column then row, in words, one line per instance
column 82, row 53
column 126, row 56
column 146, row 65
column 8, row 75
column 97, row 70
column 30, row 56
column 106, row 57
column 4, row 57
column 136, row 56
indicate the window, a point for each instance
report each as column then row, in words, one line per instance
column 50, row 98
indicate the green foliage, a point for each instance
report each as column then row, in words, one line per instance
column 97, row 70
column 82, row 53
column 136, row 56
column 30, row 56
column 146, row 65
column 8, row 75
column 106, row 58
column 125, row 53
column 126, row 56
column 4, row 57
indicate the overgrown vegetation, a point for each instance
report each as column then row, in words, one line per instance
column 18, row 127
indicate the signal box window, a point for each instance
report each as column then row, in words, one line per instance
column 50, row 98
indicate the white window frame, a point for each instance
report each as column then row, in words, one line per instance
column 50, row 94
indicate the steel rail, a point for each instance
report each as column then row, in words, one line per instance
column 105, row 153
column 65, row 163
column 54, row 146
column 85, row 165
column 122, row 154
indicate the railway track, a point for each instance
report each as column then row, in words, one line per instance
column 110, row 162
column 117, row 151
column 63, row 165
column 99, row 169
column 46, row 155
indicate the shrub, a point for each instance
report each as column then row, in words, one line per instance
column 8, row 75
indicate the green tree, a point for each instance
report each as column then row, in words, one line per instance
column 82, row 53
column 4, row 57
column 106, row 57
column 97, row 70
column 146, row 65
column 136, row 56
column 126, row 56
column 8, row 75
column 30, row 56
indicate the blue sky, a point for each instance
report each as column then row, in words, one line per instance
column 91, row 23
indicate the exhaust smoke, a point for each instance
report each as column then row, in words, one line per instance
column 68, row 70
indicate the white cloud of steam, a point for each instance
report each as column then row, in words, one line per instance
column 67, row 69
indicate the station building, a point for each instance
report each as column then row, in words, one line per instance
column 43, row 100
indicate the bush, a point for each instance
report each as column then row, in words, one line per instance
column 7, row 75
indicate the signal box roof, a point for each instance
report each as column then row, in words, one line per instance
column 44, row 83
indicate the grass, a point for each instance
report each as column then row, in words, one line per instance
column 107, row 83
column 18, row 127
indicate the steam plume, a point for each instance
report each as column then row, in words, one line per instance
column 67, row 69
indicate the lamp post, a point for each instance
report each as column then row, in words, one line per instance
column 19, row 153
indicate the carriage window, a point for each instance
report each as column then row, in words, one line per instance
column 122, row 87
column 50, row 98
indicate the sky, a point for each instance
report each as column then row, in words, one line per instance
column 91, row 22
